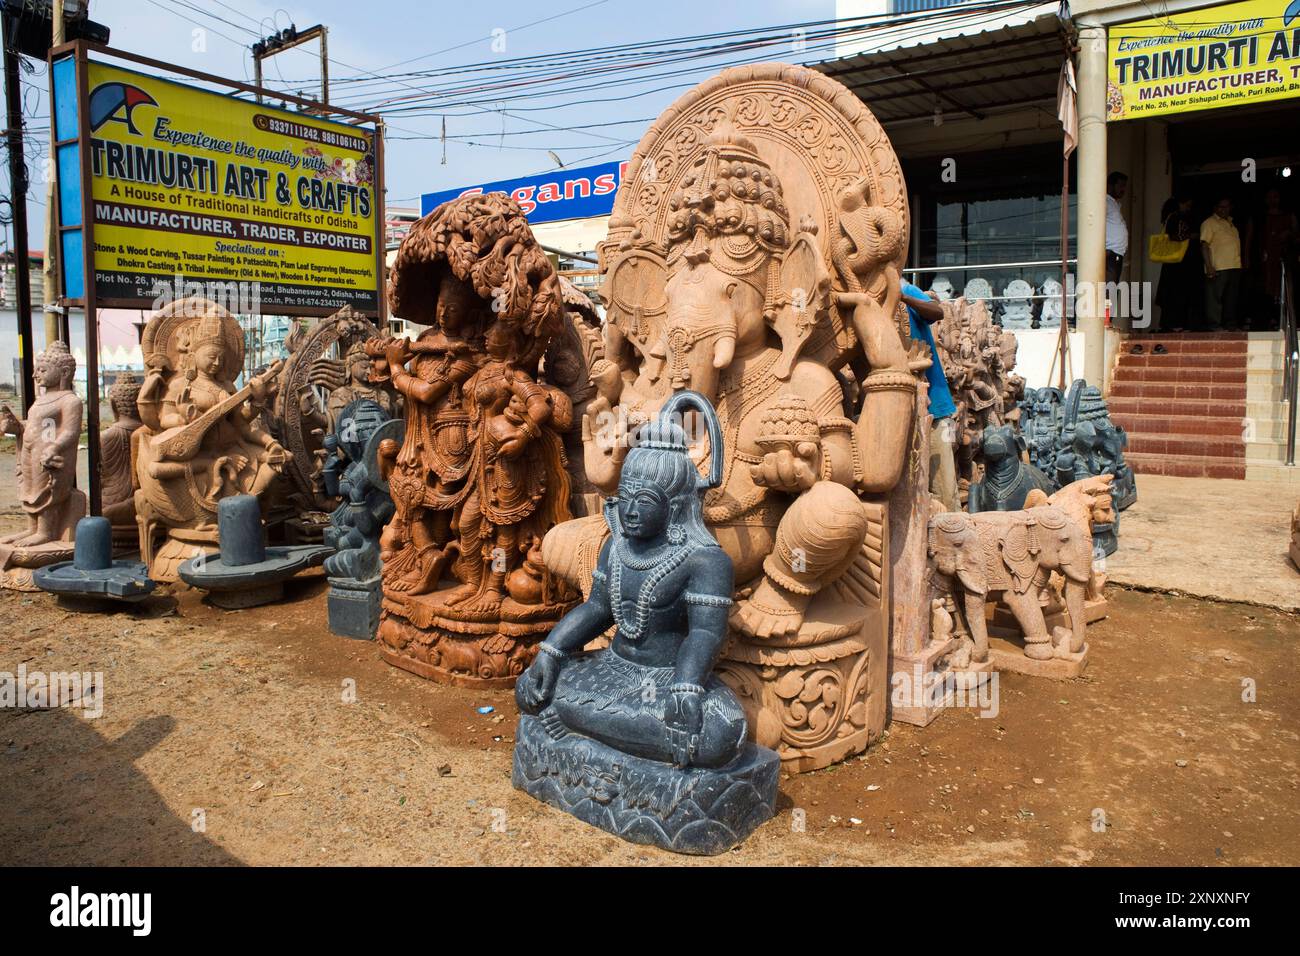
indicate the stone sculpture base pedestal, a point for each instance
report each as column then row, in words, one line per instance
column 17, row 564
column 1008, row 655
column 255, row 595
column 354, row 607
column 455, row 645
column 695, row 810
column 819, row 697
column 910, row 673
column 181, row 545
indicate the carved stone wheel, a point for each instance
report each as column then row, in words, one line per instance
column 817, row 136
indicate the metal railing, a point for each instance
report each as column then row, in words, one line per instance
column 937, row 270
column 1291, row 362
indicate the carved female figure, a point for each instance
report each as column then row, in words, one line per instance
column 204, row 441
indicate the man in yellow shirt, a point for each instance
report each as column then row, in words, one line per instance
column 1221, row 250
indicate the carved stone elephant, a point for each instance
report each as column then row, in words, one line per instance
column 1013, row 553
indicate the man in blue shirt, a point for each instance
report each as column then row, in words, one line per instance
column 922, row 311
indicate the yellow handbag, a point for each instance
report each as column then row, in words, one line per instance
column 1161, row 248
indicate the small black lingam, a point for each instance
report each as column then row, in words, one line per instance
column 639, row 738
column 1007, row 479
column 92, row 573
column 362, row 447
column 247, row 573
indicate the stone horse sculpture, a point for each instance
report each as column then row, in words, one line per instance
column 640, row 738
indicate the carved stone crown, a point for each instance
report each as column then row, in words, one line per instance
column 732, row 196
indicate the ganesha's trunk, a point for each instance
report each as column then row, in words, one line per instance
column 884, row 429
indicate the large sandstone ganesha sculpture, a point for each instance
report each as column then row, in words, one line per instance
column 754, row 257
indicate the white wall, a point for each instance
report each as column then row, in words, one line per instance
column 1037, row 351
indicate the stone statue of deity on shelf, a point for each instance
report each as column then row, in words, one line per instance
column 659, row 740
column 481, row 475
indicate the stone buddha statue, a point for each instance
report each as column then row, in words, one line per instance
column 46, row 470
column 665, row 586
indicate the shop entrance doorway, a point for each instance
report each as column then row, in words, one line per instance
column 1251, row 157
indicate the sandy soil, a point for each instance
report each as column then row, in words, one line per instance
column 241, row 715
column 242, row 720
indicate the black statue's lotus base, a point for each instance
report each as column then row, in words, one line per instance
column 697, row 810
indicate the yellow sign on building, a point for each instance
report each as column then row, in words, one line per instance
column 210, row 188
column 1245, row 52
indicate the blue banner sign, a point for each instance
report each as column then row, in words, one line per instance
column 562, row 194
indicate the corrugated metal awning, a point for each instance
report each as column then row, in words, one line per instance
column 969, row 63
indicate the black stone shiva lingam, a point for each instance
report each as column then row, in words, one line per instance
column 92, row 573
column 247, row 573
column 640, row 739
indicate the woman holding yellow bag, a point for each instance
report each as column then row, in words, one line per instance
column 1179, row 291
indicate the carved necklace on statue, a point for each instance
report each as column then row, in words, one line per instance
column 663, row 563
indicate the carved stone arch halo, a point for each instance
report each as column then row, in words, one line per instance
column 328, row 337
column 817, row 137
column 169, row 329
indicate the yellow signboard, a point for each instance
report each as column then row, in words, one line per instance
column 1245, row 52
column 212, row 189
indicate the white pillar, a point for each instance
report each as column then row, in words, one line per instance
column 1091, row 159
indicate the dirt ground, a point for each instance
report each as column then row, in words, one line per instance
column 228, row 737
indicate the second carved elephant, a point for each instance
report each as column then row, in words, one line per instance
column 975, row 557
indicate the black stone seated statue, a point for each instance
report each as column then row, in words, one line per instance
column 1007, row 479
column 640, row 738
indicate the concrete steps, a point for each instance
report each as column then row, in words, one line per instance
column 1210, row 407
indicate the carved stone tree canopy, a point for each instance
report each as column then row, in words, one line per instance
column 484, row 241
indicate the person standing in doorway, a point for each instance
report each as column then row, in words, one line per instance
column 923, row 310
column 1221, row 247
column 1116, row 227
column 1179, row 292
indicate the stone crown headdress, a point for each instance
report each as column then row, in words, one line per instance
column 730, row 196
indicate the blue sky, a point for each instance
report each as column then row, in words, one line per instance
column 374, row 35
